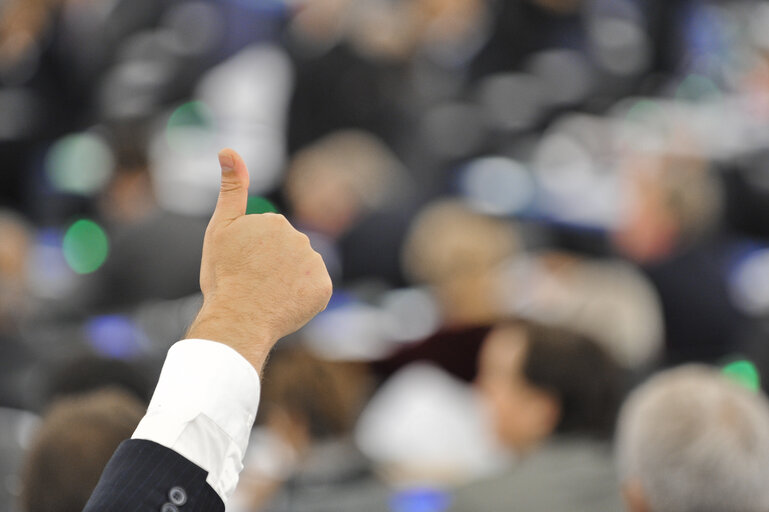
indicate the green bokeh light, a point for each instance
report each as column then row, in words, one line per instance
column 190, row 114
column 85, row 246
column 744, row 373
column 188, row 125
column 258, row 204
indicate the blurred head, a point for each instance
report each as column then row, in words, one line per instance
column 541, row 380
column 90, row 373
column 457, row 251
column 332, row 182
column 306, row 399
column 673, row 200
column 76, row 440
column 690, row 440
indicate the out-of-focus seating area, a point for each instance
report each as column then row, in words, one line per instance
column 546, row 221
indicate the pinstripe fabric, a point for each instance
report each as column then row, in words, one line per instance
column 139, row 476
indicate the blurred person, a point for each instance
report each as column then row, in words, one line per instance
column 689, row 439
column 554, row 397
column 75, row 440
column 309, row 406
column 15, row 249
column 16, row 307
column 457, row 253
column 351, row 195
column 261, row 280
column 153, row 253
column 671, row 227
column 336, row 85
column 22, row 26
column 609, row 301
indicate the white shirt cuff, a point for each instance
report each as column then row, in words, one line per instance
column 203, row 408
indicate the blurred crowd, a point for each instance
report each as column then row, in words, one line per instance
column 528, row 209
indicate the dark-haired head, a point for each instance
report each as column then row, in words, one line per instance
column 543, row 380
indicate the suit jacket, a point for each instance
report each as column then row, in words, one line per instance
column 145, row 476
column 564, row 475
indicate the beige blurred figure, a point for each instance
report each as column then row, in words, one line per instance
column 606, row 300
column 690, row 440
column 672, row 201
column 75, row 440
column 333, row 182
column 457, row 252
column 307, row 460
column 15, row 248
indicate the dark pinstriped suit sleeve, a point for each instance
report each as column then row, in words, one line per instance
column 140, row 476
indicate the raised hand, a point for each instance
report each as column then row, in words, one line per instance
column 259, row 276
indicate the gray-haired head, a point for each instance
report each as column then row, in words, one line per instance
column 691, row 440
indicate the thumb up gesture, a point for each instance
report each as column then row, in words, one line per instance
column 259, row 276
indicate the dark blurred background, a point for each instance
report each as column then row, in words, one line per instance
column 596, row 165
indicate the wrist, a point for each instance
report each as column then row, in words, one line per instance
column 236, row 329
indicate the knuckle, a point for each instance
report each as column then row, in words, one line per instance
column 228, row 187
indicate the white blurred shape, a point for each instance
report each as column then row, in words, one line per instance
column 354, row 332
column 413, row 314
column 749, row 284
column 620, row 46
column 79, row 164
column 429, row 428
column 575, row 186
column 497, row 185
column 247, row 97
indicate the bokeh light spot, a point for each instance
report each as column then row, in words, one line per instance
column 79, row 164
column 85, row 246
column 420, row 500
column 187, row 123
column 190, row 114
column 258, row 204
column 744, row 373
column 114, row 336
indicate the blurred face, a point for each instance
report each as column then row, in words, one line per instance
column 646, row 230
column 14, row 254
column 523, row 414
column 323, row 199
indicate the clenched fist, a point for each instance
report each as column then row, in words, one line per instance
column 260, row 278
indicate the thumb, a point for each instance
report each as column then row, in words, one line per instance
column 233, row 194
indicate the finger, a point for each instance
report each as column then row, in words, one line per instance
column 233, row 193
